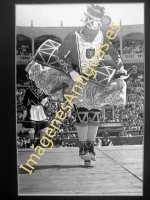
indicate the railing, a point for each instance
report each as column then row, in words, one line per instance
column 137, row 56
column 133, row 56
column 110, row 124
column 24, row 86
column 23, row 58
column 129, row 57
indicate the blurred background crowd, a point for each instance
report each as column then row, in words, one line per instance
column 131, row 116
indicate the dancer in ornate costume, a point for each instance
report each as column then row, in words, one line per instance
column 35, row 118
column 79, row 49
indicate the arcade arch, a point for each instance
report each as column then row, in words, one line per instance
column 23, row 45
column 39, row 40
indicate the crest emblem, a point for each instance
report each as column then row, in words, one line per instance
column 90, row 53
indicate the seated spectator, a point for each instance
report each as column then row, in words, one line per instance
column 66, row 145
column 122, row 142
column 135, row 46
column 141, row 142
column 63, row 144
column 106, row 141
column 20, row 142
column 71, row 144
column 60, row 141
column 23, row 50
column 28, row 142
column 98, row 143
column 129, row 135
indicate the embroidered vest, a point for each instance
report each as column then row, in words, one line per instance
column 86, row 50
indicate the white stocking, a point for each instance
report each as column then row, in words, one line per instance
column 92, row 131
column 32, row 134
column 82, row 130
column 93, row 125
column 43, row 133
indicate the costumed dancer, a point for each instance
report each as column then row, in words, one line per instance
column 79, row 48
column 35, row 118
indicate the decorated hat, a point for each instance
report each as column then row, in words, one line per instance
column 105, row 133
column 95, row 17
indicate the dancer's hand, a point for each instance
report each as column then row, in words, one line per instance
column 123, row 71
column 43, row 102
column 74, row 75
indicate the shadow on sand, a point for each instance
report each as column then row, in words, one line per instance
column 42, row 167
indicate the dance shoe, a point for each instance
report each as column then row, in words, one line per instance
column 91, row 150
column 87, row 163
column 92, row 157
column 85, row 156
column 83, row 151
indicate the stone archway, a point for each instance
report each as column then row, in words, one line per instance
column 23, row 44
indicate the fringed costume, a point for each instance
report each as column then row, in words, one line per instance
column 36, row 118
column 78, row 49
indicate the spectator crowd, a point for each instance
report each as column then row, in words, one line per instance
column 131, row 116
column 23, row 50
column 130, row 46
column 133, row 46
column 23, row 140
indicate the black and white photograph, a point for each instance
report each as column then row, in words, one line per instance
column 80, row 99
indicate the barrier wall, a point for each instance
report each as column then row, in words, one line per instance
column 134, row 140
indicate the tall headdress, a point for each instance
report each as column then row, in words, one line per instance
column 95, row 17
